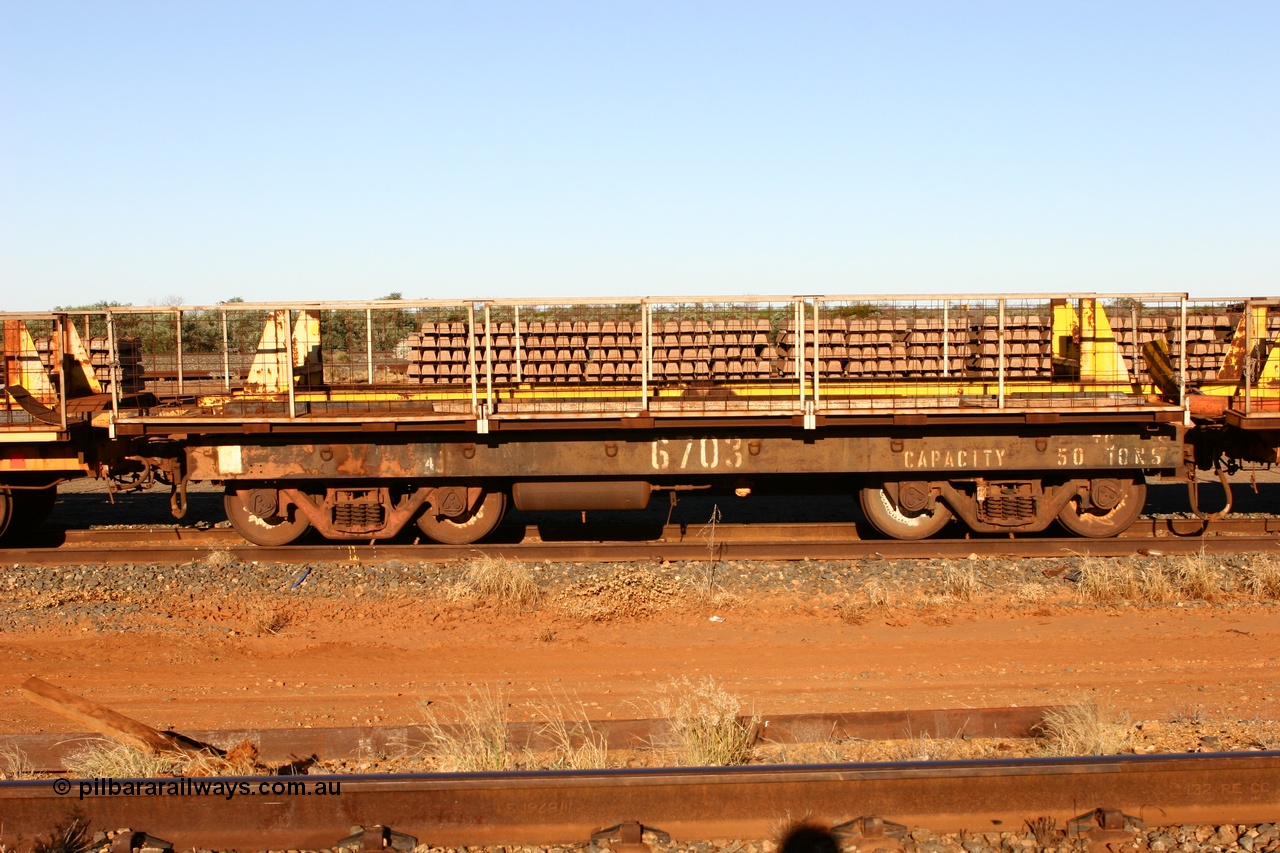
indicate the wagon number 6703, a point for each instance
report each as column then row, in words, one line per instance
column 711, row 453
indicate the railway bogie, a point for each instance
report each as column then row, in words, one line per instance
column 360, row 421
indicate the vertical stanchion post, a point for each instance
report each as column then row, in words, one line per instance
column 113, row 370
column 646, row 352
column 816, row 350
column 488, row 359
column 288, row 369
column 1000, row 355
column 177, row 323
column 471, row 356
column 516, row 319
column 797, row 326
column 226, row 355
column 1182, row 353
column 1248, row 356
column 368, row 343
column 60, row 337
column 1134, row 349
column 946, row 339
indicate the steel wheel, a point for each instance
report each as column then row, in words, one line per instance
column 466, row 528
column 1100, row 524
column 894, row 522
column 32, row 507
column 6, row 509
column 273, row 530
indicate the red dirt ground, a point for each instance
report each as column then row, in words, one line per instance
column 372, row 661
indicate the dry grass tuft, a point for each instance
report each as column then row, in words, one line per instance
column 863, row 604
column 270, row 618
column 576, row 745
column 219, row 559
column 878, row 593
column 14, row 765
column 1030, row 592
column 627, row 593
column 853, row 612
column 1261, row 578
column 1109, row 581
column 1045, row 831
column 506, row 583
column 704, row 724
column 121, row 761
column 478, row 742
column 1199, row 578
column 1156, row 586
column 107, row 760
column 1079, row 729
column 961, row 584
column 73, row 837
column 1104, row 581
column 923, row 748
column 1191, row 715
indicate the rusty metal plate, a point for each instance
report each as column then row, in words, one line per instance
column 691, row 457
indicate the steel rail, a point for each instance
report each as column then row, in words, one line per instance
column 786, row 542
column 695, row 803
column 1146, row 527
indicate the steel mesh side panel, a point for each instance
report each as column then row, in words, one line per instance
column 1210, row 327
column 573, row 359
column 979, row 352
column 30, row 355
column 723, row 357
column 455, row 361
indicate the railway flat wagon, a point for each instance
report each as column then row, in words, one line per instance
column 46, row 411
column 999, row 413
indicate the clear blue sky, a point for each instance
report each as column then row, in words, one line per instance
column 344, row 150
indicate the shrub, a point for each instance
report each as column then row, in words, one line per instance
column 478, row 742
column 1079, row 729
column 704, row 724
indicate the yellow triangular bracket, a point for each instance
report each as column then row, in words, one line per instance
column 77, row 367
column 1084, row 346
column 1100, row 356
column 23, row 366
column 281, row 354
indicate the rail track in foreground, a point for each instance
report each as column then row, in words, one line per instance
column 1100, row 797
column 674, row 542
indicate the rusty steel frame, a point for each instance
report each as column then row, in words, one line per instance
column 592, row 463
column 676, row 457
column 695, row 803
